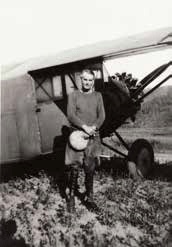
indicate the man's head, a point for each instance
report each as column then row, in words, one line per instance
column 87, row 80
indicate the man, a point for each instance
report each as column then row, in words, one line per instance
column 85, row 112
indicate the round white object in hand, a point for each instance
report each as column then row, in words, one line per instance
column 78, row 139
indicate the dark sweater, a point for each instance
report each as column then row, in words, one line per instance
column 85, row 108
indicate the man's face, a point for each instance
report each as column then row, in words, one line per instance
column 87, row 81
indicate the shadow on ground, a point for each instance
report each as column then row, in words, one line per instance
column 52, row 165
column 7, row 231
column 162, row 171
column 118, row 168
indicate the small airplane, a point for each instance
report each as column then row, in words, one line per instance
column 34, row 97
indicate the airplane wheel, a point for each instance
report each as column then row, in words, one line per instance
column 140, row 159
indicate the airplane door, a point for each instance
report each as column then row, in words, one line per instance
column 51, row 121
column 51, row 109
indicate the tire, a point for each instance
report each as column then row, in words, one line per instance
column 140, row 159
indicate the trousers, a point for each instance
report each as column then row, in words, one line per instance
column 92, row 150
column 86, row 159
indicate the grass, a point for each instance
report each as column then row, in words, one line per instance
column 131, row 213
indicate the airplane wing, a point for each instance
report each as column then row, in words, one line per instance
column 140, row 43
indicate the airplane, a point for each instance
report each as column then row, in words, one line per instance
column 34, row 98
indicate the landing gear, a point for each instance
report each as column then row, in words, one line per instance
column 140, row 159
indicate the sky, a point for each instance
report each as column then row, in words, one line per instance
column 143, row 64
column 33, row 28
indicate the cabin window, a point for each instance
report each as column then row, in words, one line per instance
column 70, row 87
column 99, row 83
column 51, row 87
column 98, row 74
column 78, row 79
column 57, row 87
column 43, row 89
column 48, row 88
column 105, row 74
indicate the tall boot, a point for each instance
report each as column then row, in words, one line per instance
column 89, row 186
column 65, row 182
column 72, row 188
column 89, row 200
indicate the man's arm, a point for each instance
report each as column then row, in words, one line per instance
column 71, row 112
column 100, row 112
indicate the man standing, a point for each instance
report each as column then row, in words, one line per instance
column 85, row 112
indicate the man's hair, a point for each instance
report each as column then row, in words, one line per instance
column 89, row 71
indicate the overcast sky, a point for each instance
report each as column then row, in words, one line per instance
column 31, row 28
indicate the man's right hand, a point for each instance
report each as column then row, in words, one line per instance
column 90, row 130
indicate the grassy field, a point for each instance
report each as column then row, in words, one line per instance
column 130, row 213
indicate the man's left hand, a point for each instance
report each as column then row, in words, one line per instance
column 93, row 130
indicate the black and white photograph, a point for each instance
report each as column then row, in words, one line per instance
column 86, row 123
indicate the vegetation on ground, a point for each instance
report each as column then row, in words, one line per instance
column 130, row 213
column 156, row 110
